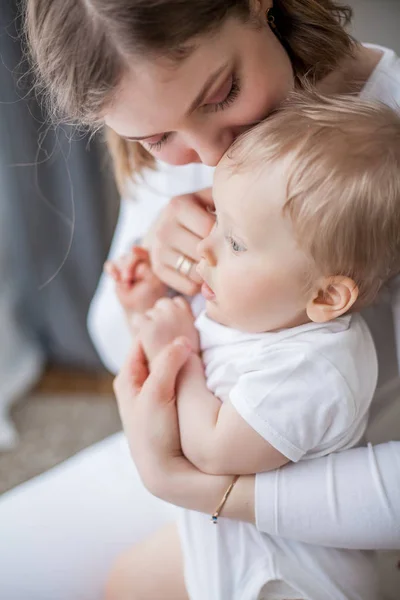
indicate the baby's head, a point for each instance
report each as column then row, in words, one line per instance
column 308, row 215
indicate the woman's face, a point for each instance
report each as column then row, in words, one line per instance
column 193, row 110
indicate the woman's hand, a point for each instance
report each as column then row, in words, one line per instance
column 148, row 410
column 176, row 233
column 146, row 402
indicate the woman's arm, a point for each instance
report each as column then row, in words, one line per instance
column 348, row 500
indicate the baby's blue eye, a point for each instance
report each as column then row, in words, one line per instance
column 236, row 247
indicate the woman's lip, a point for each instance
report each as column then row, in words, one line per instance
column 207, row 291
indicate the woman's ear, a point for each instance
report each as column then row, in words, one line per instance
column 334, row 297
column 261, row 7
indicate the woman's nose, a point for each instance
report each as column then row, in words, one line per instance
column 210, row 147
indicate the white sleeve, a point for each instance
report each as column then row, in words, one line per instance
column 106, row 320
column 344, row 500
column 299, row 403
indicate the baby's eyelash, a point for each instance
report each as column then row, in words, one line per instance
column 236, row 247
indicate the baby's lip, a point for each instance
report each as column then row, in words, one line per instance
column 207, row 292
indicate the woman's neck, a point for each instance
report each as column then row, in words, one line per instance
column 353, row 73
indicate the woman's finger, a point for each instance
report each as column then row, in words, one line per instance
column 186, row 242
column 178, row 282
column 160, row 385
column 194, row 216
column 205, row 197
column 132, row 375
column 169, row 259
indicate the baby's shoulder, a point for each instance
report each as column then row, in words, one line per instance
column 336, row 356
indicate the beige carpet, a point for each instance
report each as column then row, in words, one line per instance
column 53, row 427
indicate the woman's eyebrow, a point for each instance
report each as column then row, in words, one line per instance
column 196, row 102
column 141, row 138
column 206, row 87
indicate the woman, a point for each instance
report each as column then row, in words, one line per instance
column 183, row 80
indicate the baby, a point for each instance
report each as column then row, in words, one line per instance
column 283, row 368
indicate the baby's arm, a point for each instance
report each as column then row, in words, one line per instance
column 214, row 437
column 136, row 286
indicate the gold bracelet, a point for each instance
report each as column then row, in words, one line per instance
column 215, row 515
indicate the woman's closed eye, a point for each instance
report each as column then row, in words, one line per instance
column 230, row 97
column 159, row 143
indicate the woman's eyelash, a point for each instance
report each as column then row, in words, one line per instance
column 231, row 97
column 158, row 145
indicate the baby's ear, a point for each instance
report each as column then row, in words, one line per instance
column 334, row 297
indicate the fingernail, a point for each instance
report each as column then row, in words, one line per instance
column 183, row 342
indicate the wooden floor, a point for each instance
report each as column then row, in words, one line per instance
column 62, row 380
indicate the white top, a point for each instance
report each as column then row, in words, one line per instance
column 359, row 483
column 305, row 390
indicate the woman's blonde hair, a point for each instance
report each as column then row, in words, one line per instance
column 82, row 48
column 343, row 183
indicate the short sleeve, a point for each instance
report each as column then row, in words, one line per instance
column 297, row 403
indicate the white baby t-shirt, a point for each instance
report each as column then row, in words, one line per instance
column 305, row 390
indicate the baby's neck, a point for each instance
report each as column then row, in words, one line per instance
column 297, row 321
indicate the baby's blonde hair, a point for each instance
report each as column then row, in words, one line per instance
column 343, row 183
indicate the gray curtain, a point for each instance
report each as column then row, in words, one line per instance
column 44, row 191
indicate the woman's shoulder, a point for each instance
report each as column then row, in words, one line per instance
column 384, row 82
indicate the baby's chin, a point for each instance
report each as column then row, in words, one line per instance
column 215, row 313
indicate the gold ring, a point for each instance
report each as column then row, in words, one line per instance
column 184, row 265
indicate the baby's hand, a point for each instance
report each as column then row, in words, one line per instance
column 137, row 287
column 170, row 318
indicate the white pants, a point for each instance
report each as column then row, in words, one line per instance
column 60, row 532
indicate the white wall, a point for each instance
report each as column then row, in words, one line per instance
column 377, row 21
